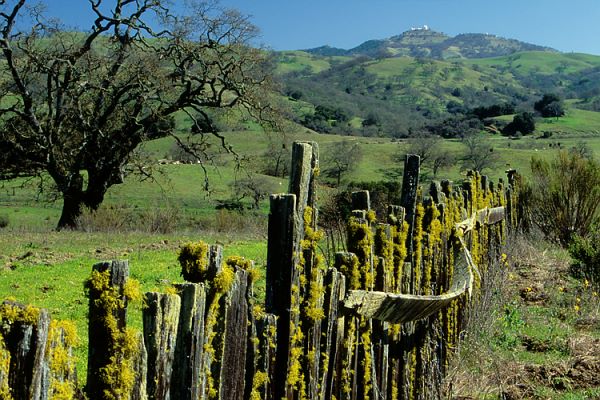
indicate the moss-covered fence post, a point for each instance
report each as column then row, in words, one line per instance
column 115, row 354
column 161, row 318
column 295, row 280
column 23, row 338
column 187, row 364
column 282, row 254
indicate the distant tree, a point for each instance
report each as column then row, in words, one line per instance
column 371, row 120
column 523, row 123
column 276, row 160
column 441, row 160
column 342, row 157
column 478, row 154
column 550, row 105
column 423, row 144
column 255, row 187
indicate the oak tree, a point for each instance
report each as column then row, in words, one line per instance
column 74, row 106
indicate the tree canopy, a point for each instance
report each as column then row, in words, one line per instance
column 74, row 106
column 550, row 105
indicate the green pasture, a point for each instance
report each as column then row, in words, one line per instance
column 301, row 61
column 539, row 62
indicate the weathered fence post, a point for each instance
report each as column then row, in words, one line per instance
column 282, row 253
column 408, row 198
column 109, row 343
column 190, row 339
column 161, row 317
column 24, row 334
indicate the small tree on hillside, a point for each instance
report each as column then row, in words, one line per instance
column 430, row 150
column 478, row 154
column 341, row 158
column 550, row 105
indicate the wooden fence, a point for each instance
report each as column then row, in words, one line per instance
column 380, row 324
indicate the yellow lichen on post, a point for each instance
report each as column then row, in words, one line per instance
column 12, row 313
column 259, row 380
column 244, row 264
column 224, row 279
column 434, row 238
column 360, row 242
column 62, row 337
column 118, row 376
column 384, row 247
column 295, row 376
column 348, row 372
column 193, row 258
column 5, row 391
column 418, row 245
column 400, row 253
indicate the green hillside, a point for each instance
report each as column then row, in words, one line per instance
column 407, row 94
column 537, row 62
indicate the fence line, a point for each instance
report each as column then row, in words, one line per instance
column 380, row 324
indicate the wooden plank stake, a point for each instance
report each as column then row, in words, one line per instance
column 100, row 335
column 25, row 340
column 161, row 318
column 190, row 338
column 408, row 198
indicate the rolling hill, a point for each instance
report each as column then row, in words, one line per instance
column 424, row 42
column 423, row 78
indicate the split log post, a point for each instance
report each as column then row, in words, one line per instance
column 332, row 327
column 230, row 345
column 282, row 253
column 108, row 280
column 190, row 339
column 161, row 318
column 23, row 346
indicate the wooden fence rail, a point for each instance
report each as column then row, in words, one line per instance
column 378, row 324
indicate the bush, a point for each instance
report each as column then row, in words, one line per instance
column 523, row 123
column 122, row 218
column 4, row 221
column 565, row 196
column 586, row 253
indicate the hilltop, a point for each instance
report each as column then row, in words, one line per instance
column 424, row 42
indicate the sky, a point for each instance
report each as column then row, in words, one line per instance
column 568, row 26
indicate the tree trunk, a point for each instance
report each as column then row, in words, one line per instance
column 75, row 199
column 71, row 210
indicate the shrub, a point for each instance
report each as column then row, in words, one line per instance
column 4, row 221
column 565, row 195
column 114, row 218
column 160, row 220
column 586, row 253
